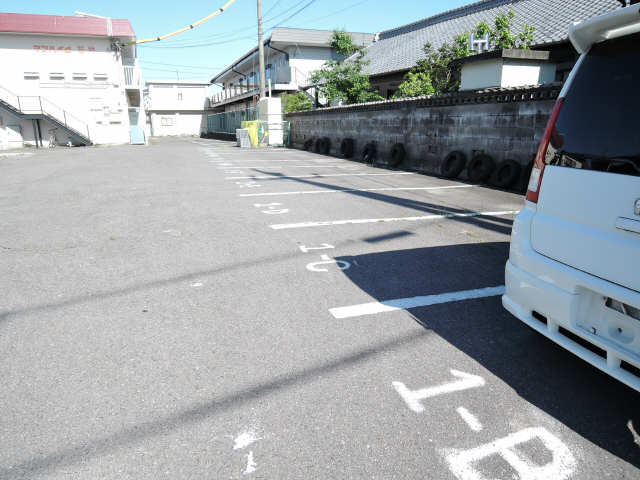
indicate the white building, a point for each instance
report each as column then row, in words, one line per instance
column 69, row 78
column 177, row 107
column 291, row 55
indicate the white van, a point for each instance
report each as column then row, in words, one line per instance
column 574, row 265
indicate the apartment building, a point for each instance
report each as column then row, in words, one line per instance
column 291, row 55
column 72, row 80
column 176, row 107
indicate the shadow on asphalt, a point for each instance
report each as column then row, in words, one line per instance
column 98, row 447
column 580, row 396
column 489, row 222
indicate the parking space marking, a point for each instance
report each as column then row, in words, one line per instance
column 346, row 190
column 466, row 464
column 325, row 246
column 412, row 398
column 278, row 177
column 470, row 419
column 373, row 308
column 356, row 221
column 295, row 166
column 326, row 260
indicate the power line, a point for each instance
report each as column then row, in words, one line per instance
column 295, row 13
column 194, row 43
column 182, row 30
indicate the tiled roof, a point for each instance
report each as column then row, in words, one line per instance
column 400, row 48
column 58, row 25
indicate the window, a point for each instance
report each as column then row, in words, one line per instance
column 56, row 76
column 79, row 77
column 598, row 124
column 179, row 96
column 166, row 121
column 100, row 77
column 31, row 76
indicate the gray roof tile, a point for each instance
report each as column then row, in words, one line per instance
column 400, row 48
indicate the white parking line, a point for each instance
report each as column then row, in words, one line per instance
column 413, row 302
column 346, row 190
column 470, row 419
column 296, row 166
column 356, row 221
column 277, row 177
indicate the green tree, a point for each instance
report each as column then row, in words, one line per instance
column 436, row 73
column 295, row 102
column 342, row 43
column 344, row 80
column 415, row 84
column 501, row 36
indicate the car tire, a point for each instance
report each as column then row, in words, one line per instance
column 347, row 147
column 326, row 146
column 453, row 164
column 506, row 174
column 308, row 144
column 480, row 168
column 397, row 154
column 369, row 153
column 317, row 146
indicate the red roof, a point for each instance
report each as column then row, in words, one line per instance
column 58, row 25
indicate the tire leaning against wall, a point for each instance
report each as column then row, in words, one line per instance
column 325, row 147
column 506, row 174
column 480, row 168
column 317, row 146
column 347, row 147
column 369, row 153
column 397, row 155
column 308, row 144
column 453, row 164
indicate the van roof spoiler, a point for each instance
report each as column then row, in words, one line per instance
column 617, row 23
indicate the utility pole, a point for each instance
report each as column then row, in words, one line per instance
column 261, row 51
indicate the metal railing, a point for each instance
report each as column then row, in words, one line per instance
column 131, row 76
column 291, row 76
column 36, row 105
column 228, row 122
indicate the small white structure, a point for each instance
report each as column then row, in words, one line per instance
column 270, row 114
column 69, row 79
column 506, row 68
column 177, row 107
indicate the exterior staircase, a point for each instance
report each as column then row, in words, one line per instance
column 39, row 108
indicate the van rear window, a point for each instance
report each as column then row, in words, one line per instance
column 599, row 123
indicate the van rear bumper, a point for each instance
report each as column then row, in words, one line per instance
column 567, row 302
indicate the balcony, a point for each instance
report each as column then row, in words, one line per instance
column 283, row 79
column 132, row 77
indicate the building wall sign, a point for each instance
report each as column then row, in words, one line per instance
column 65, row 49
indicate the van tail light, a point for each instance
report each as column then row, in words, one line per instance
column 535, row 180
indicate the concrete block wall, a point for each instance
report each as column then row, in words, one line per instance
column 505, row 124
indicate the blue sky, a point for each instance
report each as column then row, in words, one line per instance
column 202, row 52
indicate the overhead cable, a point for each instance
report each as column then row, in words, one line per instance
column 182, row 30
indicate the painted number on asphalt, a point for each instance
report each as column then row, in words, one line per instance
column 466, row 464
column 413, row 398
column 325, row 260
column 324, row 246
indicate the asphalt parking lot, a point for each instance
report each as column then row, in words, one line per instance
column 192, row 310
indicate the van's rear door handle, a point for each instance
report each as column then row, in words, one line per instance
column 628, row 224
